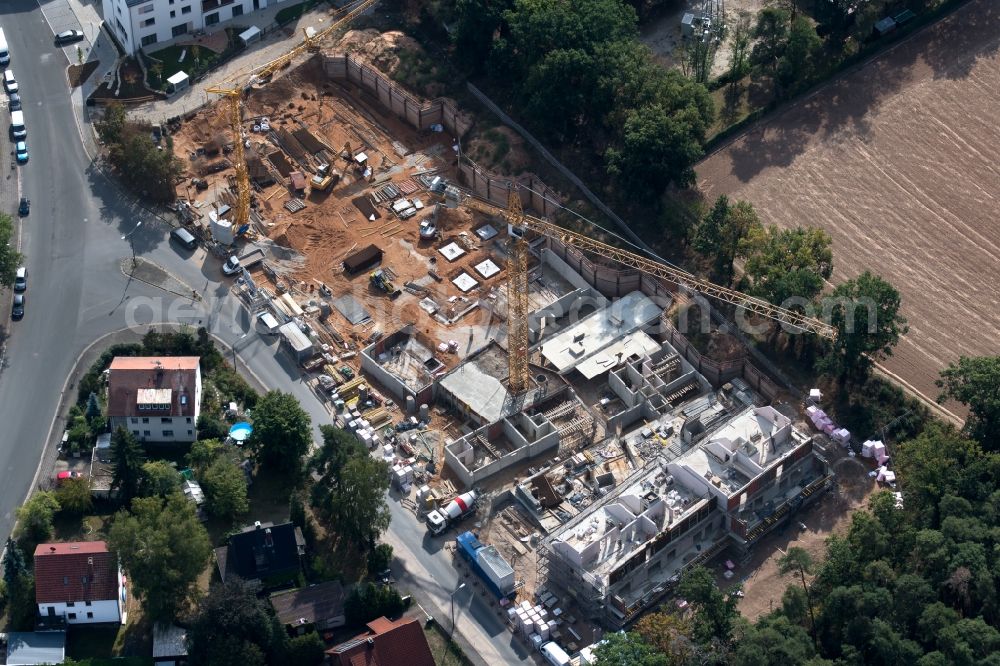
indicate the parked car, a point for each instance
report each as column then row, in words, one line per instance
column 14, row 102
column 9, row 82
column 24, row 207
column 22, row 152
column 232, row 266
column 68, row 37
column 62, row 476
column 21, row 279
column 17, row 311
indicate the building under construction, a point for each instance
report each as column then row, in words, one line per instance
column 733, row 485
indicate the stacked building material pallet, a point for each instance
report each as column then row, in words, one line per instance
column 294, row 205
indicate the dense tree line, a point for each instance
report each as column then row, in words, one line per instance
column 580, row 78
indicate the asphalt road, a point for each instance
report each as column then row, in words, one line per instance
column 77, row 292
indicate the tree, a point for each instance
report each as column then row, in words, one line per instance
column 658, row 147
column 771, row 33
column 669, row 634
column 156, row 69
column 307, row 650
column 621, row 649
column 35, row 516
column 14, row 565
column 782, row 264
column 798, row 560
column 774, row 640
column 379, row 559
column 367, row 601
column 354, row 505
column 797, row 63
column 111, row 127
column 864, row 313
column 281, row 432
column 739, row 65
column 715, row 612
column 476, row 24
column 973, row 382
column 164, row 548
column 127, row 475
column 235, row 628
column 74, row 496
column 203, row 453
column 225, row 487
column 719, row 234
column 160, row 479
column 10, row 258
column 93, row 407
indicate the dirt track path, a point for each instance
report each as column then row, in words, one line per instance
column 900, row 162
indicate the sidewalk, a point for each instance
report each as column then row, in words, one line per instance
column 275, row 43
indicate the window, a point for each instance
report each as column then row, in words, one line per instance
column 145, row 419
column 83, row 579
column 121, row 28
column 237, row 11
column 70, row 604
column 189, row 419
column 166, row 419
column 212, row 19
column 72, row 616
column 185, row 10
column 148, row 22
column 145, row 433
column 171, row 1
column 173, row 14
column 146, row 9
column 135, row 432
column 190, row 433
column 90, row 616
column 86, row 604
column 179, row 30
column 65, row 580
column 168, row 433
column 134, row 420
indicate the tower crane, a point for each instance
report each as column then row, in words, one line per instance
column 234, row 98
column 517, row 278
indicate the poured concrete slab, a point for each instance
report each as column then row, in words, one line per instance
column 352, row 310
column 486, row 232
column 465, row 282
column 487, row 268
column 451, row 251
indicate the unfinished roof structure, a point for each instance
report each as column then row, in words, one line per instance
column 624, row 552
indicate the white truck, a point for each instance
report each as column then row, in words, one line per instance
column 461, row 507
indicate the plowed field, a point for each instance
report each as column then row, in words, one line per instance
column 899, row 161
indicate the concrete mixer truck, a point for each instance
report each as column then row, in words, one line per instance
column 453, row 512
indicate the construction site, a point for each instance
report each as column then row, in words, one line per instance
column 503, row 368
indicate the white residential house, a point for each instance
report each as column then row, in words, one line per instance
column 79, row 582
column 156, row 398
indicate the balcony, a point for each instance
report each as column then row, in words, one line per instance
column 209, row 5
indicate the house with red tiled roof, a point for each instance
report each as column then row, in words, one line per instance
column 156, row 398
column 386, row 643
column 79, row 582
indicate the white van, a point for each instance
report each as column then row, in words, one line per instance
column 9, row 82
column 4, row 53
column 18, row 132
column 554, row 654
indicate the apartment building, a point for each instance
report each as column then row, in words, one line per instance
column 734, row 485
column 141, row 24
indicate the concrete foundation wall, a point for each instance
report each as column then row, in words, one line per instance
column 459, row 455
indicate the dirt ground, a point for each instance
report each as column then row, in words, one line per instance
column 898, row 162
column 663, row 35
column 331, row 225
column 830, row 514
